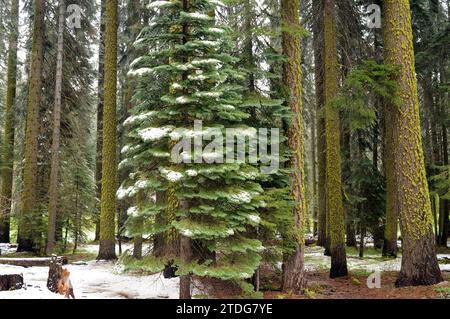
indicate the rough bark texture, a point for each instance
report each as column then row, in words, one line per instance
column 27, row 236
column 293, row 268
column 391, row 224
column 100, row 103
column 8, row 135
column 54, row 174
column 419, row 262
column 321, row 155
column 109, row 139
column 335, row 210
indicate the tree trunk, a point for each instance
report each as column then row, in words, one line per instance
column 8, row 135
column 419, row 262
column 351, row 234
column 109, row 139
column 293, row 268
column 54, row 175
column 100, row 103
column 321, row 155
column 28, row 234
column 335, row 210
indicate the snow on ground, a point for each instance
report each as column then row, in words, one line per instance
column 7, row 249
column 315, row 260
column 95, row 280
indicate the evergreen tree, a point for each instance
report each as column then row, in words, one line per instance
column 109, row 139
column 28, row 235
column 293, row 268
column 55, row 164
column 217, row 203
column 335, row 212
column 8, row 139
column 419, row 262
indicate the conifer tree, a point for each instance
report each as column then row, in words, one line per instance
column 55, row 163
column 293, row 267
column 335, row 212
column 217, row 202
column 419, row 262
column 8, row 136
column 28, row 235
column 109, row 139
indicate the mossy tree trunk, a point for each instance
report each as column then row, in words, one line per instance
column 419, row 262
column 28, row 234
column 335, row 210
column 293, row 267
column 109, row 138
column 8, row 136
column 54, row 174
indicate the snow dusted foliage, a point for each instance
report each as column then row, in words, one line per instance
column 187, row 75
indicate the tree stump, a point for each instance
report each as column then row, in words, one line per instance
column 54, row 274
column 11, row 282
column 58, row 280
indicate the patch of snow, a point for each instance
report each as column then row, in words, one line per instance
column 255, row 218
column 198, row 15
column 154, row 133
column 172, row 176
column 96, row 280
column 241, row 197
column 140, row 72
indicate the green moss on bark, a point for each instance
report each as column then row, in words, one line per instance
column 109, row 138
column 294, row 273
column 334, row 204
column 419, row 262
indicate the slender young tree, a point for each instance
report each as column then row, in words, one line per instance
column 293, row 268
column 27, row 235
column 109, row 140
column 419, row 262
column 8, row 135
column 100, row 102
column 321, row 159
column 55, row 164
column 335, row 210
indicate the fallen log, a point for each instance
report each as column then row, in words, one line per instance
column 11, row 282
column 31, row 262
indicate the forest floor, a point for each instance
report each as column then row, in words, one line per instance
column 105, row 280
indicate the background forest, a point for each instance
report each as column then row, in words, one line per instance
column 95, row 94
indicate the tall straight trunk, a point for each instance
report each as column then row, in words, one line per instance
column 8, row 135
column 335, row 210
column 391, row 224
column 54, row 174
column 28, row 236
column 109, row 138
column 443, row 240
column 100, row 103
column 321, row 154
column 419, row 262
column 293, row 267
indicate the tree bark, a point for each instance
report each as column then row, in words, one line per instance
column 294, row 279
column 28, row 236
column 100, row 103
column 54, row 175
column 335, row 210
column 8, row 135
column 109, row 138
column 321, row 154
column 419, row 262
